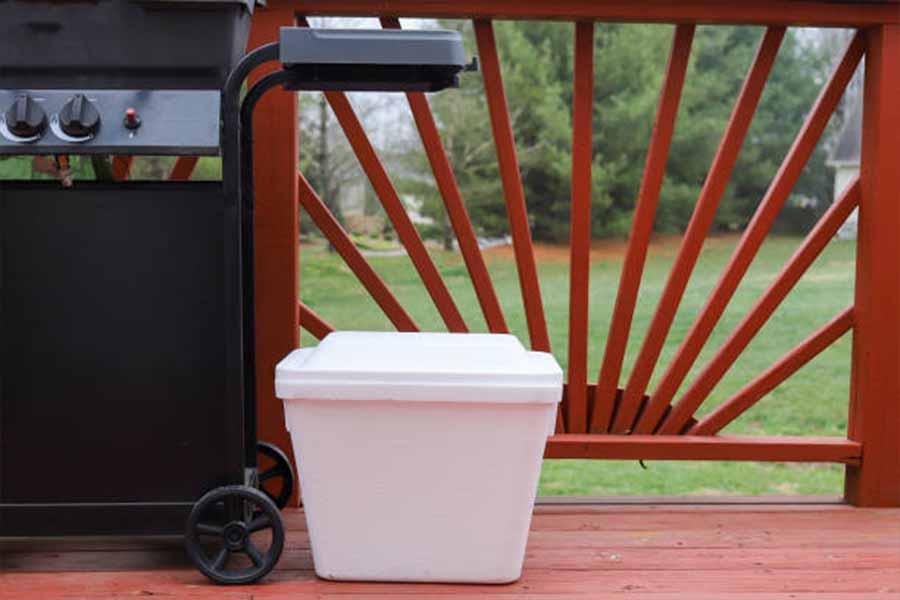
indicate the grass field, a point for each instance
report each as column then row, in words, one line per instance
column 813, row 402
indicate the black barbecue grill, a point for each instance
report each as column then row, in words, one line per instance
column 127, row 371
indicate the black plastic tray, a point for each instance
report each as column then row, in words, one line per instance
column 372, row 59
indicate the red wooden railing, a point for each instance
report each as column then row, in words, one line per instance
column 615, row 418
column 644, row 213
column 694, row 236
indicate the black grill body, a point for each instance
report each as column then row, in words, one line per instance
column 126, row 365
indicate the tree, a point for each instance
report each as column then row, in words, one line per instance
column 629, row 63
column 541, row 123
column 470, row 149
column 325, row 158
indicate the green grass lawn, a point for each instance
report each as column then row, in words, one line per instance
column 813, row 402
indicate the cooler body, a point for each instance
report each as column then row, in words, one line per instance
column 120, row 355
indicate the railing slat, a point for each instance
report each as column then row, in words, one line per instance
column 514, row 193
column 456, row 208
column 580, row 226
column 357, row 263
column 772, row 377
column 393, row 206
column 697, row 229
column 121, row 167
column 641, row 229
column 312, row 322
column 750, row 325
column 184, row 168
column 754, row 235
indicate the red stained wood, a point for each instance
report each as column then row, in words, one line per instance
column 393, row 206
column 513, row 192
column 642, row 227
column 704, row 447
column 762, row 310
column 609, row 557
column 772, row 377
column 647, row 551
column 276, row 231
column 755, row 234
column 543, row 584
column 749, row 505
column 356, row 262
column 744, row 514
column 654, row 522
column 184, row 168
column 580, row 226
column 875, row 375
column 766, row 12
column 694, row 236
column 121, row 167
column 456, row 208
column 312, row 322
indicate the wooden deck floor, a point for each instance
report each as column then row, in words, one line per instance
column 658, row 551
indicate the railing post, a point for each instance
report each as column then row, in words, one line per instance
column 276, row 231
column 875, row 380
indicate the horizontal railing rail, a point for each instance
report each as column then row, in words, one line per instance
column 722, row 12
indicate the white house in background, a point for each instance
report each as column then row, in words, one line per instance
column 845, row 160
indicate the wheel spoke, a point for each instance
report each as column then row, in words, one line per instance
column 254, row 553
column 270, row 473
column 259, row 522
column 207, row 529
column 221, row 558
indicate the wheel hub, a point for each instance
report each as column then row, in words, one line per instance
column 235, row 535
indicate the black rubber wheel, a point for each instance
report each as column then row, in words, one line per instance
column 234, row 534
column 276, row 477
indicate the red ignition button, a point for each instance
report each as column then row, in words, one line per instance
column 132, row 120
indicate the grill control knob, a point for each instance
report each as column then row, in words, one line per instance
column 79, row 117
column 132, row 119
column 25, row 118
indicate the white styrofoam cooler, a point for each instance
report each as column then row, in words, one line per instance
column 419, row 453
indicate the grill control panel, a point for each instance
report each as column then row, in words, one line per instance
column 109, row 122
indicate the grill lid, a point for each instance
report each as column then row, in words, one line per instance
column 121, row 44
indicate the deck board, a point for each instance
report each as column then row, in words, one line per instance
column 636, row 550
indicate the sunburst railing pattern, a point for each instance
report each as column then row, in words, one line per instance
column 606, row 416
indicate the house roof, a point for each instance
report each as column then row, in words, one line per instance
column 847, row 149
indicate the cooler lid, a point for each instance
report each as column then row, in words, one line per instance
column 438, row 367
